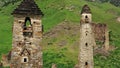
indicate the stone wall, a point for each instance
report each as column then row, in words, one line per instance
column 101, row 34
column 86, row 46
column 99, row 31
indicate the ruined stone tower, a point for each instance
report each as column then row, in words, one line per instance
column 86, row 39
column 27, row 34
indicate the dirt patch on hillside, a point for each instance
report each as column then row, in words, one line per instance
column 63, row 34
column 63, row 28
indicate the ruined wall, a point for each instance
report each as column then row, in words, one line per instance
column 101, row 34
column 99, row 31
column 26, row 50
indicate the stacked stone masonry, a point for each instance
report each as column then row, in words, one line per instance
column 27, row 34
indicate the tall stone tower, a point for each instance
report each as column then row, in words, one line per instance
column 86, row 39
column 27, row 34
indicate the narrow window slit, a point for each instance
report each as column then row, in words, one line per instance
column 86, row 33
column 86, row 63
column 25, row 59
column 19, row 21
column 86, row 16
column 86, row 44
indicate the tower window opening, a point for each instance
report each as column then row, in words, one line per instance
column 19, row 21
column 27, row 23
column 86, row 63
column 27, row 27
column 86, row 19
column 25, row 59
column 86, row 16
column 86, row 33
column 86, row 44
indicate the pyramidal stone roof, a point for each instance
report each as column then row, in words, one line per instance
column 85, row 9
column 28, row 7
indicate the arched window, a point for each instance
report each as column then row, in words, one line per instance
column 27, row 28
column 27, row 22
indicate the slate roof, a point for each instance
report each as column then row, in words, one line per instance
column 28, row 7
column 85, row 9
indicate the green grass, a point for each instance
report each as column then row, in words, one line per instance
column 55, row 12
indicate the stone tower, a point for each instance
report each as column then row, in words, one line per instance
column 27, row 34
column 86, row 39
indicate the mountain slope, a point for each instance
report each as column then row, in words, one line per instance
column 63, row 48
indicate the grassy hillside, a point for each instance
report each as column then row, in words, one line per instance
column 56, row 12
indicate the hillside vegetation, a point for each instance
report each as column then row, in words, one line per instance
column 60, row 45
